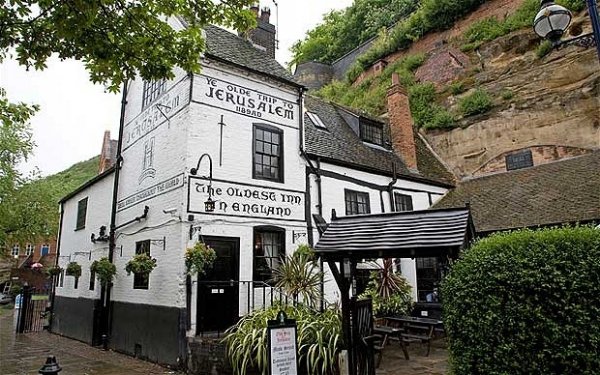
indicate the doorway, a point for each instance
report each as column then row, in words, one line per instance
column 218, row 290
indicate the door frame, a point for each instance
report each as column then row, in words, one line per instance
column 236, row 263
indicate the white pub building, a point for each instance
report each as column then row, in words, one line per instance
column 244, row 134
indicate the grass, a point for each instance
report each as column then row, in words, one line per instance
column 543, row 49
column 478, row 102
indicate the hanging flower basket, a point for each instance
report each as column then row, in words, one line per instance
column 199, row 258
column 73, row 269
column 104, row 270
column 53, row 271
column 140, row 263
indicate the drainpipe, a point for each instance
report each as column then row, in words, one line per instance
column 60, row 224
column 105, row 292
column 390, row 188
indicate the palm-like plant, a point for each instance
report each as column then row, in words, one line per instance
column 318, row 337
column 390, row 292
column 299, row 275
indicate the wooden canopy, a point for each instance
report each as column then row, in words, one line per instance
column 411, row 234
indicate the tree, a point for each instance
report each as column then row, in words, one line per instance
column 343, row 30
column 15, row 146
column 116, row 39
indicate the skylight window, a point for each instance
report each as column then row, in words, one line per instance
column 316, row 120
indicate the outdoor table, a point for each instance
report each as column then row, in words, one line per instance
column 387, row 332
column 410, row 323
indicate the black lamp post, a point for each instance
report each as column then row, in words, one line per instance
column 209, row 205
column 552, row 20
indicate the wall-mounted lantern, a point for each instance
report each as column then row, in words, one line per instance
column 209, row 205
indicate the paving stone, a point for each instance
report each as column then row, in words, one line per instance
column 24, row 354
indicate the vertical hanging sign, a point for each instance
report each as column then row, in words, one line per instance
column 282, row 346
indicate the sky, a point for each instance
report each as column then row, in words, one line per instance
column 74, row 113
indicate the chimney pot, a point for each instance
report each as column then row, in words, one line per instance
column 254, row 9
column 265, row 14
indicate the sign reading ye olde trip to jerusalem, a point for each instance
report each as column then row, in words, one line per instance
column 234, row 199
column 247, row 101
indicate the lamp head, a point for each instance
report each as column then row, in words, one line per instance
column 209, row 205
column 551, row 21
column 193, row 171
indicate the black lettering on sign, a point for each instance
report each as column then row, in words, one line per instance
column 249, row 102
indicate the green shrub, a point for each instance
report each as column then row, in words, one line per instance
column 573, row 5
column 507, row 94
column 319, row 338
column 440, row 119
column 432, row 15
column 457, row 88
column 543, row 49
column 478, row 102
column 526, row 302
column 492, row 28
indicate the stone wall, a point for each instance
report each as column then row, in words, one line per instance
column 539, row 154
column 553, row 101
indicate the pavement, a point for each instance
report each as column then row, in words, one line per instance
column 24, row 354
column 394, row 363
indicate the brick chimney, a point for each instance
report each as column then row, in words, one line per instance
column 263, row 36
column 401, row 123
column 108, row 154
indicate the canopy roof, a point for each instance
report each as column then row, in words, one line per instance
column 412, row 234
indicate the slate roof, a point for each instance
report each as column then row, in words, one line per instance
column 228, row 47
column 566, row 191
column 340, row 143
column 398, row 235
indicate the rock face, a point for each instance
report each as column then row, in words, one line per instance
column 552, row 101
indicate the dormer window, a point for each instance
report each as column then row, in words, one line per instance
column 316, row 120
column 371, row 131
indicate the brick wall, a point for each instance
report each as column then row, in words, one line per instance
column 401, row 124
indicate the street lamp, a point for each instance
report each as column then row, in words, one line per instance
column 209, row 205
column 552, row 20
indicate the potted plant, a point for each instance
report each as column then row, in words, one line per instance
column 140, row 263
column 104, row 270
column 73, row 269
column 53, row 271
column 199, row 258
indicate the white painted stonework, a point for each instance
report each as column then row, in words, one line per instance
column 212, row 113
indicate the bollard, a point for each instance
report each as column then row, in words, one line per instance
column 104, row 342
column 51, row 367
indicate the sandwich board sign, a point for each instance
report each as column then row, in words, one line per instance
column 282, row 346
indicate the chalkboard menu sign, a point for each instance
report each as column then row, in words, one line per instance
column 283, row 347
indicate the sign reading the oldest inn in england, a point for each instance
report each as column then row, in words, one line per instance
column 248, row 102
column 245, row 200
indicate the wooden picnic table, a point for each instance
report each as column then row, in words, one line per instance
column 415, row 329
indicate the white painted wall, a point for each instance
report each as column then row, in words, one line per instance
column 75, row 245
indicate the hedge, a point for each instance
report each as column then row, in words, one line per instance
column 526, row 302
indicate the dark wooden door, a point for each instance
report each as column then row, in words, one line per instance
column 218, row 290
